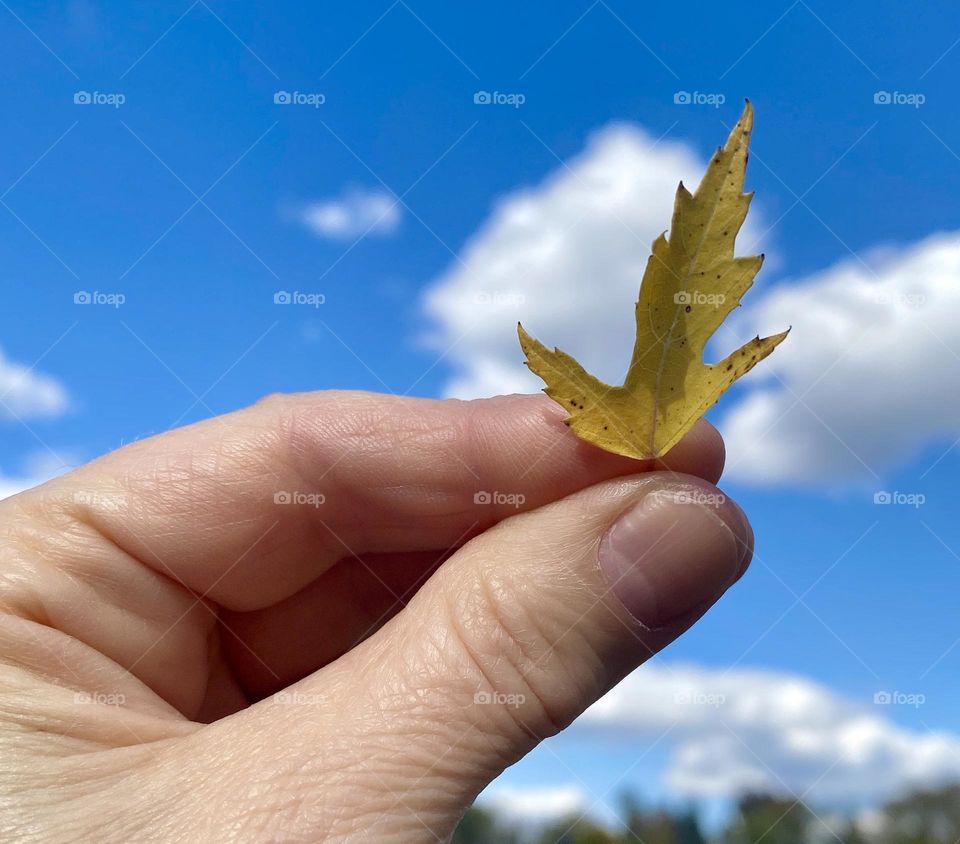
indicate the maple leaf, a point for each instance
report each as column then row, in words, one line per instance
column 691, row 283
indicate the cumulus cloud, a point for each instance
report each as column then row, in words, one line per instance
column 867, row 378
column 535, row 805
column 864, row 383
column 12, row 485
column 566, row 257
column 25, row 393
column 37, row 468
column 748, row 729
column 353, row 214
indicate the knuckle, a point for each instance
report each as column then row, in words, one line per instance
column 515, row 658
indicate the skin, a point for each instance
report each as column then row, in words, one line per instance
column 184, row 658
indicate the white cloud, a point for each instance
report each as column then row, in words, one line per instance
column 535, row 805
column 27, row 394
column 38, row 467
column 874, row 356
column 353, row 214
column 13, row 485
column 865, row 382
column 743, row 730
column 566, row 256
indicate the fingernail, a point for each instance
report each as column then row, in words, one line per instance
column 667, row 555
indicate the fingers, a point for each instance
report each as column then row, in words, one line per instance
column 249, row 508
column 513, row 637
column 269, row 649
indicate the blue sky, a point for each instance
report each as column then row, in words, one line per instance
column 198, row 198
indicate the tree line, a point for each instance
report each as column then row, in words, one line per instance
column 924, row 817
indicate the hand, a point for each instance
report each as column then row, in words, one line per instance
column 333, row 616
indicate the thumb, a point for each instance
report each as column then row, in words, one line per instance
column 514, row 636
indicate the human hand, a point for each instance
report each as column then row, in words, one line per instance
column 213, row 634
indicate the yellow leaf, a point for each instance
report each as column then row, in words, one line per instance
column 691, row 283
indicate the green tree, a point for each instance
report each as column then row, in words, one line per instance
column 770, row 820
column 852, row 835
column 658, row 827
column 481, row 826
column 687, row 828
column 576, row 830
column 925, row 817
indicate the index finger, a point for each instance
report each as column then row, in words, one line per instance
column 248, row 508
